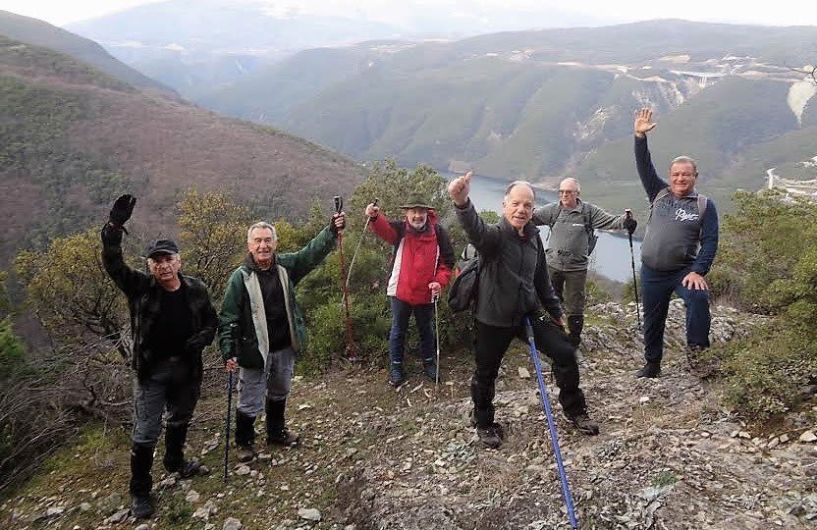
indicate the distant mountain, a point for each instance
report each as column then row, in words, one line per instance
column 195, row 44
column 72, row 138
column 542, row 105
column 39, row 33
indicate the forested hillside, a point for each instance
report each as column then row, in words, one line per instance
column 72, row 138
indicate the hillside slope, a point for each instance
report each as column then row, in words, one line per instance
column 668, row 457
column 73, row 138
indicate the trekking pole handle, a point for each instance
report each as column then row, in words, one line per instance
column 338, row 203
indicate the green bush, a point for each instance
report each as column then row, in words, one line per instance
column 762, row 374
column 768, row 263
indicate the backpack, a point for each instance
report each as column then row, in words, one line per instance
column 463, row 291
column 462, row 294
column 592, row 238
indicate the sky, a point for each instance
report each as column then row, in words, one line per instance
column 780, row 12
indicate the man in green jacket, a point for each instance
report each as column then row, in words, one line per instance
column 262, row 330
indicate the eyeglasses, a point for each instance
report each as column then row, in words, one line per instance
column 567, row 192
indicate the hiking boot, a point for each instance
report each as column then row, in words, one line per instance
column 284, row 438
column 396, row 376
column 584, row 424
column 142, row 507
column 650, row 370
column 246, row 453
column 192, row 468
column 693, row 352
column 491, row 436
column 430, row 369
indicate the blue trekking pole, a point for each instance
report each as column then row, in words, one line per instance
column 554, row 439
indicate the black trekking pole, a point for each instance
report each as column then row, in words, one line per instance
column 357, row 248
column 351, row 347
column 629, row 214
column 234, row 339
column 554, row 439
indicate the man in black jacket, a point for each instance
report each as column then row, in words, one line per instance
column 514, row 284
column 172, row 321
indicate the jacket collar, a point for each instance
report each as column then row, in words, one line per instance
column 250, row 264
column 530, row 230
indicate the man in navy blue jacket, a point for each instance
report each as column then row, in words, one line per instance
column 678, row 249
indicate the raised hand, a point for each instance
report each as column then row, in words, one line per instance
column 372, row 210
column 122, row 210
column 459, row 188
column 338, row 222
column 643, row 122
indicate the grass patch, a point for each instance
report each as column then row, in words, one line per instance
column 664, row 478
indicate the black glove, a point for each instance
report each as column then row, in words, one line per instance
column 112, row 235
column 332, row 225
column 630, row 224
column 122, row 210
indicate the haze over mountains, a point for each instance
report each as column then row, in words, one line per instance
column 190, row 43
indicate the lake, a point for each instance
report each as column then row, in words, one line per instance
column 611, row 258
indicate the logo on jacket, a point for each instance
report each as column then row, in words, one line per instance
column 683, row 216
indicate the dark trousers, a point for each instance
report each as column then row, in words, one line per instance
column 424, row 316
column 656, row 290
column 570, row 288
column 489, row 348
column 171, row 386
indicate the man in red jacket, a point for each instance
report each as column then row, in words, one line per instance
column 423, row 260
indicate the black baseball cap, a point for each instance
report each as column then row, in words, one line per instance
column 162, row 246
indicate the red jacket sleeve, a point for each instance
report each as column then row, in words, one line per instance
column 383, row 229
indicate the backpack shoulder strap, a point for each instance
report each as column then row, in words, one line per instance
column 702, row 202
column 658, row 196
column 588, row 222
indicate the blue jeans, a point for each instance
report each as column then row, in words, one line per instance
column 423, row 315
column 656, row 289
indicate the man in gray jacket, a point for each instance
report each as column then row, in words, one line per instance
column 514, row 285
column 572, row 223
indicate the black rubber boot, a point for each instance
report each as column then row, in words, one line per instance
column 575, row 324
column 174, row 461
column 245, row 436
column 650, row 370
column 141, row 460
column 277, row 433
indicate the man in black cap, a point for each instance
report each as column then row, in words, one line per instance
column 172, row 321
column 423, row 261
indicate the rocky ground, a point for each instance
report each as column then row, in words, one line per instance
column 668, row 457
